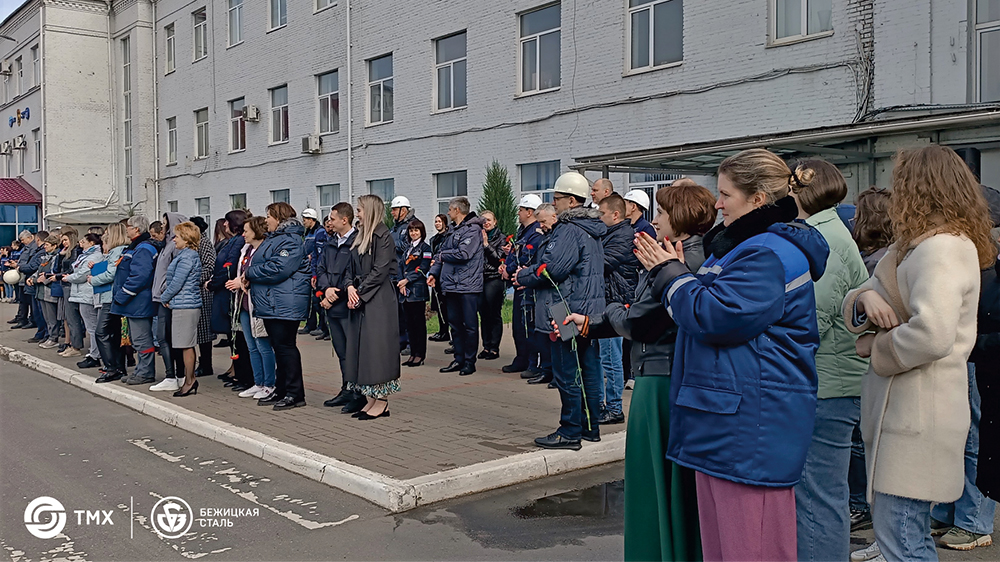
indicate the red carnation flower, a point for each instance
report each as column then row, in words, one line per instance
column 510, row 237
column 541, row 269
column 227, row 264
column 319, row 294
column 530, row 247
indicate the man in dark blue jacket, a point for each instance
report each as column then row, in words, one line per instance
column 25, row 317
column 636, row 205
column 458, row 266
column 29, row 268
column 571, row 267
column 133, row 297
column 402, row 215
column 315, row 240
column 519, row 254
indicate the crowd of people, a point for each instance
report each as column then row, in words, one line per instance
column 762, row 348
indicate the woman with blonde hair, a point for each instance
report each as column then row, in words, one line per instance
column 182, row 295
column 743, row 388
column 372, row 350
column 918, row 317
column 109, row 326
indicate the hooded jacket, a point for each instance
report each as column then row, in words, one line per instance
column 183, row 281
column 621, row 267
column 743, row 394
column 82, row 292
column 574, row 259
column 133, row 285
column 166, row 254
column 458, row 266
column 279, row 274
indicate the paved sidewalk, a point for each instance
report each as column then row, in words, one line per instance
column 439, row 421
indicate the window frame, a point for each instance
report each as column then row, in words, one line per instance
column 317, row 9
column 381, row 83
column 283, row 119
column 772, row 27
column 234, row 6
column 521, row 40
column 237, row 123
column 171, row 141
column 334, row 120
column 386, row 197
column 128, row 164
column 170, row 32
column 439, row 200
column 629, row 10
column 545, row 194
column 36, row 66
column 195, row 31
column 978, row 31
column 19, row 76
column 286, row 191
column 234, row 204
column 198, row 127
column 197, row 208
column 172, row 206
column 270, row 12
column 450, row 64
column 36, row 141
column 325, row 209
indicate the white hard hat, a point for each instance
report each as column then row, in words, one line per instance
column 399, row 201
column 572, row 183
column 12, row 277
column 530, row 201
column 310, row 214
column 638, row 197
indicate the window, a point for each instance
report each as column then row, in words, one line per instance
column 539, row 178
column 328, row 196
column 278, row 15
column 650, row 184
column 127, row 112
column 450, row 184
column 988, row 50
column 200, row 35
column 203, row 208
column 172, row 206
column 201, row 133
column 18, row 76
column 324, row 4
column 279, row 114
column 235, row 22
column 6, row 89
column 238, row 201
column 171, row 48
column 15, row 218
column 36, row 137
column 385, row 189
column 280, row 196
column 20, row 162
column 450, row 75
column 329, row 102
column 540, row 50
column 380, row 90
column 237, row 126
column 36, row 67
column 656, row 33
column 6, row 165
column 800, row 18
column 172, row 140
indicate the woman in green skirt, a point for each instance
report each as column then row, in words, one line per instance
column 661, row 510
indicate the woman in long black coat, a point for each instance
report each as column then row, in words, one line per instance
column 225, row 269
column 984, row 356
column 373, row 350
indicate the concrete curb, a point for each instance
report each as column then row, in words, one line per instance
column 390, row 493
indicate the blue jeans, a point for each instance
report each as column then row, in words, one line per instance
column 903, row 528
column 574, row 420
column 857, row 475
column 973, row 511
column 42, row 333
column 261, row 354
column 822, row 495
column 614, row 375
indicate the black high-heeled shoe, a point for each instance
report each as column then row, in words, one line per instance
column 190, row 391
column 412, row 363
column 365, row 416
column 408, row 362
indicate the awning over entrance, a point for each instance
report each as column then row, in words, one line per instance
column 842, row 144
column 17, row 191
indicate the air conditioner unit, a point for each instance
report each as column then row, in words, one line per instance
column 311, row 144
column 5, row 147
column 20, row 143
column 251, row 113
column 5, row 69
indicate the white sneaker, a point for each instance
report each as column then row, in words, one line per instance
column 250, row 391
column 264, row 392
column 871, row 552
column 48, row 344
column 169, row 384
column 629, row 384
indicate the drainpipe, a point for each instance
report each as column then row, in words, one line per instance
column 350, row 105
column 45, row 127
column 156, row 119
column 114, row 107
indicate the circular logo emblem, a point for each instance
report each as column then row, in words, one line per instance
column 54, row 523
column 171, row 517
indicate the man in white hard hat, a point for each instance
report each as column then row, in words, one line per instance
column 520, row 253
column 636, row 205
column 574, row 260
column 315, row 238
column 402, row 215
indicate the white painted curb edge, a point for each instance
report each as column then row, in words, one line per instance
column 384, row 491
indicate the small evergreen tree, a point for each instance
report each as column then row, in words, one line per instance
column 387, row 219
column 498, row 196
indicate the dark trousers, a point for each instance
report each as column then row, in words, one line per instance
column 164, row 334
column 287, row 358
column 205, row 358
column 416, row 327
column 627, row 358
column 442, row 310
column 577, row 417
column 317, row 316
column 463, row 318
column 23, row 305
column 857, row 477
column 338, row 336
column 109, row 339
column 523, row 328
column 544, row 346
column 490, row 310
column 42, row 333
column 404, row 338
column 242, row 367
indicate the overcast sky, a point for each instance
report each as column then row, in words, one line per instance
column 8, row 6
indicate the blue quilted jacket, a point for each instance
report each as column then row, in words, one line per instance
column 183, row 276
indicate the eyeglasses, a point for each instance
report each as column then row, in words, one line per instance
column 560, row 197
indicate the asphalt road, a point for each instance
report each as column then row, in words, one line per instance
column 96, row 456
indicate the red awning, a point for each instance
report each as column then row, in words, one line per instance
column 16, row 190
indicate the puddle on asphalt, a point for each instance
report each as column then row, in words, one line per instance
column 601, row 501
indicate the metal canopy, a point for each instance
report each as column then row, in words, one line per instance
column 841, row 144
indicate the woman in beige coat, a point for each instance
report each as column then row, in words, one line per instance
column 919, row 312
